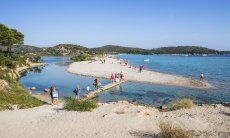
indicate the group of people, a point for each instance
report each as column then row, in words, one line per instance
column 54, row 93
column 117, row 77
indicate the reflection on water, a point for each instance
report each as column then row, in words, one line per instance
column 55, row 74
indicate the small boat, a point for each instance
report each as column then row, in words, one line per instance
column 186, row 55
column 146, row 60
column 204, row 55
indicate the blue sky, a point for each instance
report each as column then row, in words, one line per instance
column 136, row 23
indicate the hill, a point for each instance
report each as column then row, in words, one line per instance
column 120, row 49
column 65, row 49
column 185, row 50
column 71, row 49
column 58, row 50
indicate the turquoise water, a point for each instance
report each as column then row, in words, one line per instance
column 215, row 68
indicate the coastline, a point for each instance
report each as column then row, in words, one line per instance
column 31, row 65
column 114, row 119
column 96, row 69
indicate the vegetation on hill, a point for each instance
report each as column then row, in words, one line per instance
column 24, row 49
column 120, row 49
column 73, row 50
column 14, row 94
column 12, row 62
column 64, row 49
column 184, row 50
column 225, row 52
column 81, row 57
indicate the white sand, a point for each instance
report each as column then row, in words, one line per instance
column 111, row 120
column 97, row 69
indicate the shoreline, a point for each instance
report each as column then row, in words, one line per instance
column 31, row 65
column 96, row 69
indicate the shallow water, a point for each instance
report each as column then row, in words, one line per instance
column 215, row 68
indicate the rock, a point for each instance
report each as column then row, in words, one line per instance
column 227, row 104
column 33, row 88
column 46, row 90
column 163, row 108
column 3, row 85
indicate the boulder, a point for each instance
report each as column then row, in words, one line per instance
column 46, row 90
column 3, row 85
column 163, row 108
column 33, row 88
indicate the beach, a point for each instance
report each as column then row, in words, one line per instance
column 112, row 65
column 116, row 119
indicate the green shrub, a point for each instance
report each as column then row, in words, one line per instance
column 183, row 104
column 12, row 62
column 79, row 105
column 81, row 57
column 17, row 95
column 168, row 131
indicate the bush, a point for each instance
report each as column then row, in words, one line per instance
column 81, row 57
column 17, row 95
column 168, row 131
column 36, row 59
column 12, row 62
column 183, row 104
column 79, row 105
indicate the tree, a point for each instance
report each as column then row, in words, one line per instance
column 9, row 37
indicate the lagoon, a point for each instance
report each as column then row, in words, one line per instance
column 215, row 68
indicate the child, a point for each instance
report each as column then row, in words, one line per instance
column 54, row 95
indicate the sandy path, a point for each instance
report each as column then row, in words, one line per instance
column 97, row 69
column 111, row 120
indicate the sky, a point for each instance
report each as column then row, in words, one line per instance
column 133, row 23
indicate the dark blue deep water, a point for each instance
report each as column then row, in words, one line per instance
column 215, row 68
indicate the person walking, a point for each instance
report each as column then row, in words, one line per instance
column 96, row 83
column 112, row 78
column 77, row 92
column 140, row 68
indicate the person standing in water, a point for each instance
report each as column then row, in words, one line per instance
column 54, row 95
column 201, row 77
column 87, row 89
column 77, row 92
column 96, row 84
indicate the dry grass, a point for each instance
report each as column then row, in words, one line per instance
column 120, row 112
column 183, row 104
column 168, row 131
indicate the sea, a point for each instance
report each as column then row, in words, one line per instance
column 216, row 70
